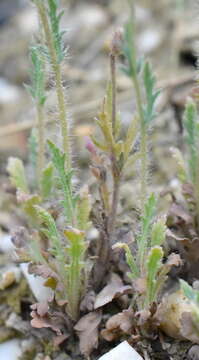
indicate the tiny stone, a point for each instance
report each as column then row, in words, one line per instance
column 36, row 283
column 122, row 351
column 10, row 350
column 193, row 353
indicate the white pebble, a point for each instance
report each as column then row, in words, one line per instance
column 122, row 351
column 10, row 350
column 36, row 283
column 8, row 93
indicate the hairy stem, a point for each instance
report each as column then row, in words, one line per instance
column 63, row 116
column 114, row 206
column 74, row 290
column 113, row 83
column 143, row 126
column 116, row 175
column 41, row 141
column 196, row 193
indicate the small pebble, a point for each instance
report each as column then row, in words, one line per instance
column 8, row 93
column 10, row 350
column 193, row 353
column 36, row 283
column 122, row 351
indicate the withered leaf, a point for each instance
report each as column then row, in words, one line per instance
column 174, row 260
column 189, row 329
column 143, row 316
column 112, row 290
column 118, row 324
column 57, row 340
column 87, row 330
column 169, row 313
column 87, row 304
column 42, row 270
column 41, row 318
column 41, row 308
column 20, row 237
column 181, row 213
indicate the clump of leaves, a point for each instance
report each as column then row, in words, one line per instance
column 57, row 255
column 148, row 271
column 61, row 263
column 57, row 246
column 110, row 155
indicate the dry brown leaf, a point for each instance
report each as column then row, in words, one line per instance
column 87, row 330
column 41, row 318
column 42, row 270
column 114, row 289
column 41, row 308
column 87, row 304
column 143, row 316
column 20, row 237
column 170, row 312
column 118, row 324
column 60, row 339
column 181, row 213
column 174, row 260
column 189, row 329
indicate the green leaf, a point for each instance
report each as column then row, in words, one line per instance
column 65, row 179
column 153, row 265
column 146, row 220
column 191, row 136
column 47, row 181
column 33, row 145
column 158, row 233
column 17, row 174
column 29, row 205
column 53, row 234
column 131, row 135
column 177, row 155
column 37, row 88
column 76, row 251
column 129, row 259
column 129, row 50
column 55, row 18
column 151, row 93
column 83, row 209
column 188, row 291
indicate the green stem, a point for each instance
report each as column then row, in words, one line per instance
column 116, row 175
column 41, row 141
column 74, row 288
column 114, row 205
column 143, row 127
column 113, row 83
column 196, row 193
column 63, row 116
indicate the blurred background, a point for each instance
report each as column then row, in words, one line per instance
column 168, row 32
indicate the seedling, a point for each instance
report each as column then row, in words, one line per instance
column 188, row 167
column 147, row 270
column 64, row 265
column 143, row 79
